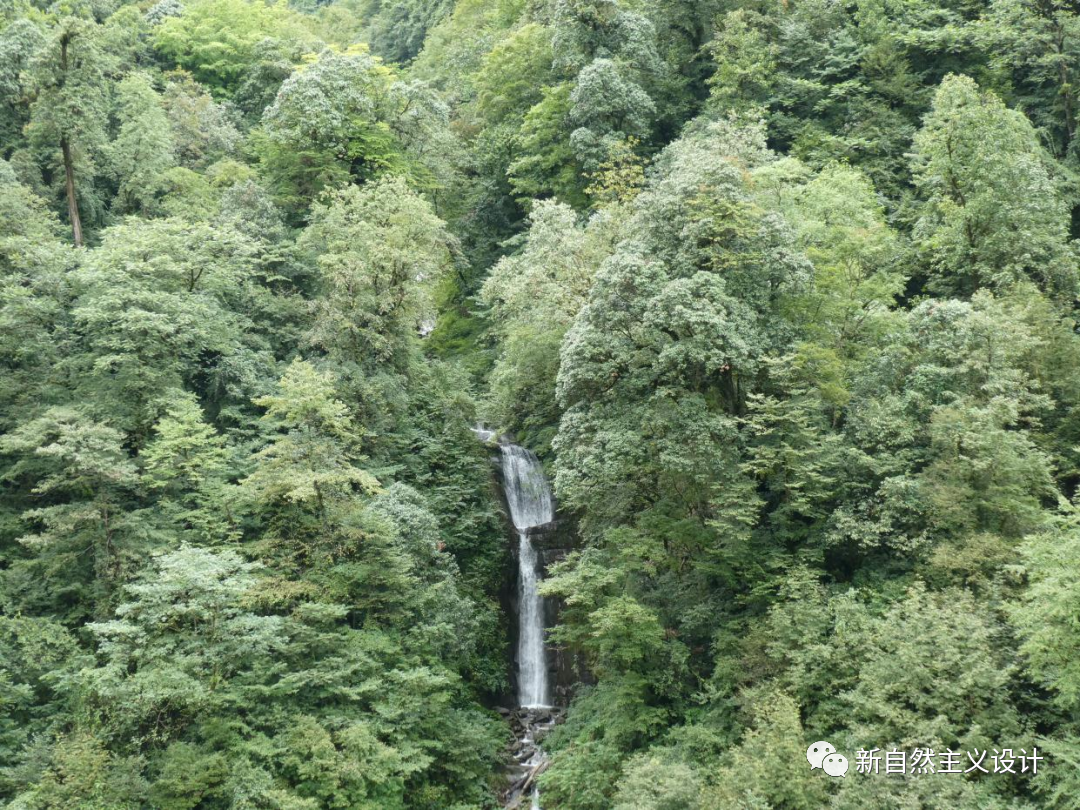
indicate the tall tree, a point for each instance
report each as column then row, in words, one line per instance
column 68, row 111
column 993, row 213
column 310, row 467
column 534, row 296
column 379, row 250
column 143, row 150
column 83, row 537
column 672, row 338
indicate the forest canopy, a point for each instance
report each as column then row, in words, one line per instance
column 783, row 295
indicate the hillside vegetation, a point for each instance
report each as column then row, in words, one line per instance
column 783, row 294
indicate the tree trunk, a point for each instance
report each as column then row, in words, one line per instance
column 69, row 184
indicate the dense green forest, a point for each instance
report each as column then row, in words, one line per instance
column 782, row 293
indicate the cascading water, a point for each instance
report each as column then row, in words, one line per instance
column 529, row 497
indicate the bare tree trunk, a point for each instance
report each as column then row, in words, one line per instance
column 69, row 183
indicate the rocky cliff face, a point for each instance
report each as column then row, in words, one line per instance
column 553, row 542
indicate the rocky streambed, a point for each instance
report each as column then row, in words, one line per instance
column 527, row 758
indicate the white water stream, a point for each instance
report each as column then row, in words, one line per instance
column 529, row 498
column 528, row 495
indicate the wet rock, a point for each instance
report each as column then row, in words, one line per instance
column 527, row 760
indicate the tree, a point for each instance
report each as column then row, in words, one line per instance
column 584, row 30
column 84, row 537
column 512, row 74
column 69, row 102
column 202, row 130
column 993, row 214
column 333, row 115
column 340, row 707
column 791, row 453
column 546, row 165
column 162, row 303
column 20, row 40
column 1039, row 43
column 806, row 386
column 671, row 340
column 745, row 66
column 143, row 150
column 187, row 463
column 534, row 296
column 219, row 40
column 379, row 251
column 903, row 694
column 606, row 108
column 34, row 298
column 37, row 653
column 1041, row 614
column 651, row 783
column 186, row 608
column 860, row 267
column 398, row 30
column 772, row 745
column 310, row 463
column 83, row 775
column 951, row 451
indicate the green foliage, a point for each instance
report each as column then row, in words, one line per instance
column 309, row 463
column 791, row 454
column 201, row 128
column 673, row 326
column 781, row 293
column 510, row 78
column 1036, row 43
column 81, row 539
column 1041, row 615
column 187, row 462
column 379, row 250
column 179, row 638
column 903, row 692
column 606, row 108
column 143, row 149
column 218, row 42
column 547, row 167
column 744, row 63
column 68, row 110
column 83, row 775
column 69, row 89
column 607, row 722
column 398, row 29
column 20, row 39
column 993, row 215
column 161, row 303
column 764, row 770
column 534, row 295
column 329, row 122
column 859, row 273
column 36, row 654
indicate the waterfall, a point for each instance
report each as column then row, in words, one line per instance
column 529, row 498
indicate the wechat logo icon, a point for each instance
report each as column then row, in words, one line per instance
column 817, row 752
column 835, row 765
column 823, row 755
